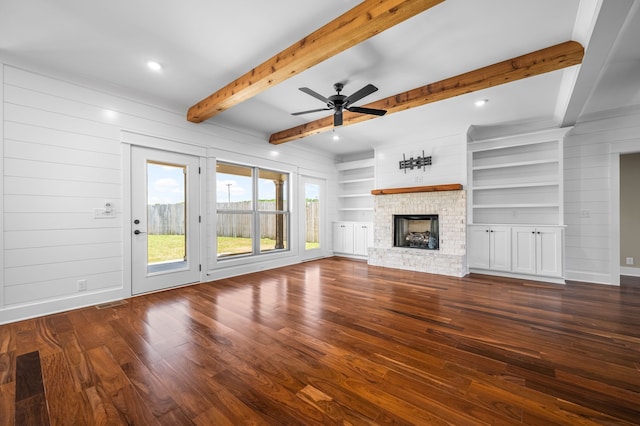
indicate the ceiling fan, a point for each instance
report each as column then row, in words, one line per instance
column 339, row 103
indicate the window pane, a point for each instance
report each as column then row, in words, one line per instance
column 312, row 216
column 252, row 210
column 234, row 187
column 273, row 231
column 234, row 233
column 272, row 191
column 166, row 219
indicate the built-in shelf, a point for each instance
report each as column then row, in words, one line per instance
column 355, row 182
column 517, row 179
column 515, row 185
column 512, row 206
column 516, row 205
column 515, row 164
column 354, row 195
column 357, row 164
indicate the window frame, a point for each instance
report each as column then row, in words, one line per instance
column 256, row 212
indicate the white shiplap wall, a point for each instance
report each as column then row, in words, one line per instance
column 449, row 162
column 63, row 157
column 591, row 201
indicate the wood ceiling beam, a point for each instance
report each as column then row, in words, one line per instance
column 367, row 19
column 539, row 62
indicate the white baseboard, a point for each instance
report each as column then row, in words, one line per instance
column 32, row 310
column 223, row 271
column 590, row 277
column 632, row 272
column 517, row 276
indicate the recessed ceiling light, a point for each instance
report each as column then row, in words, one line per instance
column 154, row 66
column 110, row 114
column 481, row 102
column 336, row 137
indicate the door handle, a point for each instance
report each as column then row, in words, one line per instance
column 138, row 232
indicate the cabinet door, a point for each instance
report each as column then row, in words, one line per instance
column 549, row 251
column 478, row 247
column 500, row 248
column 338, row 237
column 343, row 237
column 523, row 243
column 363, row 238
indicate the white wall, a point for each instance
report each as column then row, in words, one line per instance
column 449, row 162
column 63, row 157
column 591, row 176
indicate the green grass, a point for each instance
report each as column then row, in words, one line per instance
column 163, row 248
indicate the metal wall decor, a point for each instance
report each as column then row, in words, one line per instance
column 415, row 163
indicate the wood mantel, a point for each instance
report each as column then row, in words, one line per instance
column 432, row 188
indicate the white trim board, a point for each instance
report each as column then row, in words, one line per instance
column 631, row 272
column 617, row 148
column 34, row 310
column 2, row 281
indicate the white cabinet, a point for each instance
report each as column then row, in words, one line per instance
column 537, row 250
column 343, row 237
column 353, row 233
column 362, row 238
column 516, row 193
column 352, row 238
column 489, row 247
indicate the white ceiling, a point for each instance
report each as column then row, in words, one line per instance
column 203, row 45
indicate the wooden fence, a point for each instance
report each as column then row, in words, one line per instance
column 168, row 219
column 165, row 219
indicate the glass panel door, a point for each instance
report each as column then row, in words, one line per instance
column 312, row 216
column 165, row 223
column 312, row 222
column 166, row 217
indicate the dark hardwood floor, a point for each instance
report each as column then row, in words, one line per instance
column 333, row 341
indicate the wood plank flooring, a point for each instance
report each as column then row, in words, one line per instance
column 333, row 341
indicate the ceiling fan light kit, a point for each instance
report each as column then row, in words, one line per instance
column 339, row 103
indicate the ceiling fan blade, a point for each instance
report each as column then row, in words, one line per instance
column 314, row 94
column 367, row 110
column 311, row 110
column 337, row 118
column 365, row 91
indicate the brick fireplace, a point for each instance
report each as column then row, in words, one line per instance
column 448, row 202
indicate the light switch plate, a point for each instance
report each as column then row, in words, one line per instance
column 103, row 213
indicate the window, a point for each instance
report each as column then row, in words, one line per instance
column 252, row 210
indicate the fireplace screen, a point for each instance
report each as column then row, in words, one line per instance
column 419, row 231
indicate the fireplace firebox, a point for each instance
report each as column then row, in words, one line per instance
column 420, row 231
